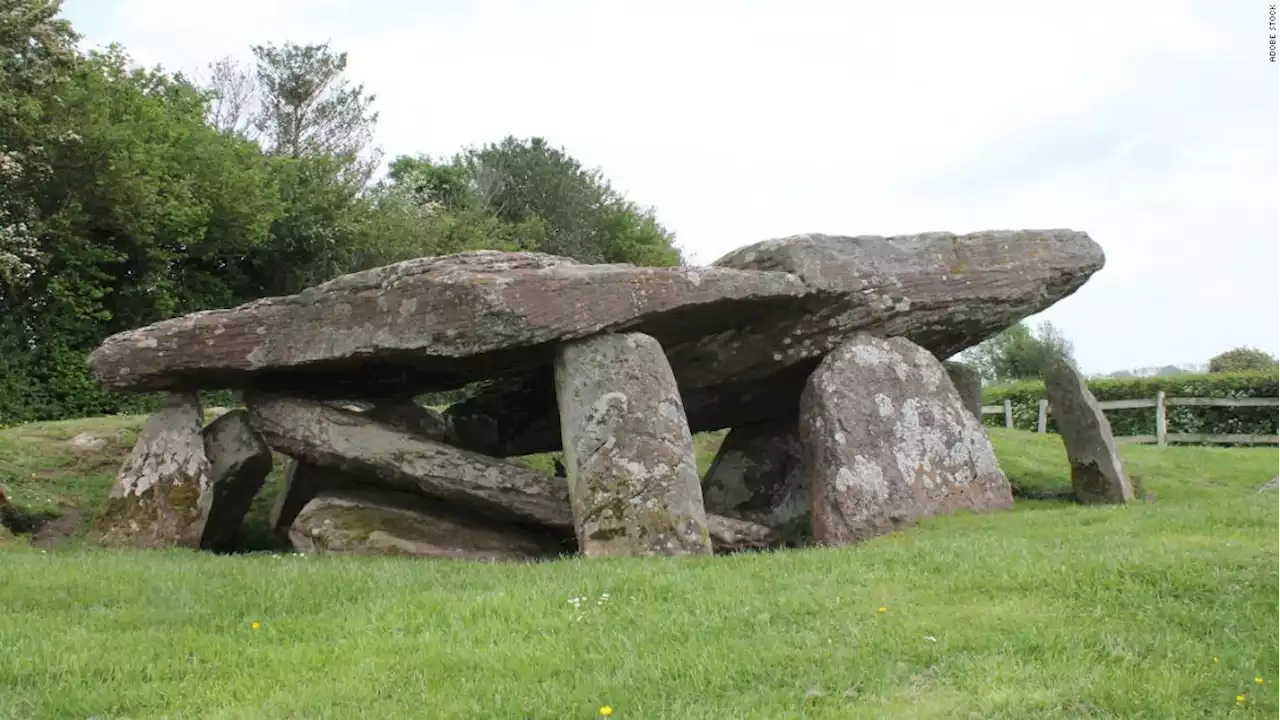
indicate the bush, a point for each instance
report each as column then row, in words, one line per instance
column 1242, row 359
column 1025, row 396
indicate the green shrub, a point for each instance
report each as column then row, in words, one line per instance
column 1025, row 396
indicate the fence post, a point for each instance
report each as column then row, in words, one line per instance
column 1008, row 413
column 1042, row 416
column 1162, row 423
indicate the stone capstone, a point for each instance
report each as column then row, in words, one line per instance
column 155, row 501
column 943, row 291
column 370, row 521
column 1097, row 475
column 888, row 441
column 628, row 453
column 430, row 324
column 239, row 462
column 758, row 475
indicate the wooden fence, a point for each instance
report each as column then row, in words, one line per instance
column 1159, row 402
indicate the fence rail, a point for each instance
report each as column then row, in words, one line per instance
column 1159, row 402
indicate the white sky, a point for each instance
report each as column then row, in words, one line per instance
column 1151, row 125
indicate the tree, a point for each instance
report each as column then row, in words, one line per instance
column 1017, row 353
column 233, row 91
column 307, row 108
column 144, row 212
column 543, row 199
column 1241, row 359
column 37, row 53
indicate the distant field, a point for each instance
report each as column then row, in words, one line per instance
column 1166, row 608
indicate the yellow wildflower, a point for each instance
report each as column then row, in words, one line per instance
column 255, row 625
column 882, row 609
column 1215, row 658
column 1258, row 681
column 605, row 711
column 1239, row 699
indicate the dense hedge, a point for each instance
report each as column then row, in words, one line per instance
column 1142, row 421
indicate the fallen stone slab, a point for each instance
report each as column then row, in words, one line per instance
column 430, row 324
column 730, row 535
column 1097, row 475
column 303, row 481
column 758, row 475
column 943, row 291
column 382, row 522
column 356, row 444
column 632, row 476
column 239, row 462
column 155, row 501
column 888, row 441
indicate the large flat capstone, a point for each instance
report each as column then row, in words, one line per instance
column 944, row 292
column 431, row 324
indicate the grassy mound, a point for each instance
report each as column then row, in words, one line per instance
column 1166, row 608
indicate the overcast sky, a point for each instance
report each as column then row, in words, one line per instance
column 1153, row 126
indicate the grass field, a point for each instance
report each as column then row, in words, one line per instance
column 1163, row 609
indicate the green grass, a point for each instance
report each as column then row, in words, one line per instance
column 1051, row 610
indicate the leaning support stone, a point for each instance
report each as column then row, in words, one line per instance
column 239, row 462
column 969, row 384
column 1097, row 476
column 156, row 499
column 302, row 482
column 888, row 441
column 379, row 453
column 633, row 481
column 758, row 475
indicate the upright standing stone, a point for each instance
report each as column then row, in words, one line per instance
column 887, row 441
column 302, row 482
column 758, row 475
column 1097, row 475
column 628, row 453
column 969, row 384
column 156, row 499
column 239, row 462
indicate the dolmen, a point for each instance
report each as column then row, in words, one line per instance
column 821, row 355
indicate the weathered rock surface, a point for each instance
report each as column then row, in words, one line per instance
column 430, row 324
column 968, row 383
column 888, row 441
column 758, row 475
column 733, row 535
column 1097, row 476
column 87, row 442
column 156, row 498
column 382, row 522
column 302, row 482
column 239, row 462
column 356, row 444
column 633, row 481
column 943, row 291
column 408, row 416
